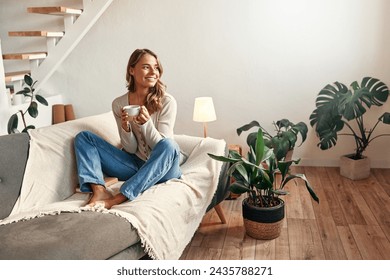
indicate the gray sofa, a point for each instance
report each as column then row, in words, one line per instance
column 85, row 235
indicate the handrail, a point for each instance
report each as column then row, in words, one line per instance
column 73, row 35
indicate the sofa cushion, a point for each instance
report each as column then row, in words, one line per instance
column 67, row 236
column 14, row 152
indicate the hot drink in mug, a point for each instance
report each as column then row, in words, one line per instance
column 132, row 110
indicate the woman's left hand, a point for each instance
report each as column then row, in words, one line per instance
column 143, row 116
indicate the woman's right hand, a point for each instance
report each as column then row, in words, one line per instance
column 125, row 121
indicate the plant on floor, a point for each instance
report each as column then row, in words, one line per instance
column 32, row 109
column 282, row 141
column 337, row 105
column 263, row 177
column 257, row 174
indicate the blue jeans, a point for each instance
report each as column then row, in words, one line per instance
column 97, row 158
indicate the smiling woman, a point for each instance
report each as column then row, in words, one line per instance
column 148, row 154
column 143, row 78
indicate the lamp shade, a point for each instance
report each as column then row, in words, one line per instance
column 204, row 110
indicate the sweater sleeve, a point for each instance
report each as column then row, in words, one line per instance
column 128, row 140
column 163, row 125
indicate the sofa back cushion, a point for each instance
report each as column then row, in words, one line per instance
column 13, row 158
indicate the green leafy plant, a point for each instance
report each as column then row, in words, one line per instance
column 282, row 141
column 337, row 105
column 257, row 175
column 32, row 109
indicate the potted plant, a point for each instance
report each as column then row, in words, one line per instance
column 32, row 109
column 263, row 177
column 283, row 141
column 338, row 107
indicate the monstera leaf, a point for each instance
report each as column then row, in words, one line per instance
column 370, row 92
column 327, row 114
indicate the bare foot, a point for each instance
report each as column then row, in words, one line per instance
column 99, row 193
column 112, row 201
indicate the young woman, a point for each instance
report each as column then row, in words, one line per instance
column 149, row 154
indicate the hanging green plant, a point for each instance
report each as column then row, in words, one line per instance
column 32, row 109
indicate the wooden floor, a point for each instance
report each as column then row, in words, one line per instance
column 351, row 222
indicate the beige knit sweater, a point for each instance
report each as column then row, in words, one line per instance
column 142, row 138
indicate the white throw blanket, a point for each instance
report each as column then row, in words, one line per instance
column 165, row 216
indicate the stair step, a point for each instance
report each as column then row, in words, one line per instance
column 54, row 10
column 31, row 55
column 15, row 76
column 37, row 33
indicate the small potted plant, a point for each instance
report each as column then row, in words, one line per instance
column 257, row 175
column 338, row 107
column 32, row 109
column 283, row 141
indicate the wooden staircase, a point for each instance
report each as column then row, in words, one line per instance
column 59, row 44
column 11, row 77
column 52, row 39
column 62, row 11
column 30, row 56
column 36, row 33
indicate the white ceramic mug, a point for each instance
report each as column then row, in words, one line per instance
column 132, row 110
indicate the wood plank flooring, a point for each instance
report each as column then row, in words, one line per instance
column 351, row 222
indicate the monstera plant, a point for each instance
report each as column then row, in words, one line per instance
column 32, row 109
column 337, row 105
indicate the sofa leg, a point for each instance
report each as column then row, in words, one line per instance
column 219, row 211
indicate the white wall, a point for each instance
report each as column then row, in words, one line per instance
column 259, row 60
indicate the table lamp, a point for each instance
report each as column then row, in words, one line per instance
column 204, row 112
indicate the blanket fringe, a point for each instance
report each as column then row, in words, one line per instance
column 37, row 215
column 144, row 243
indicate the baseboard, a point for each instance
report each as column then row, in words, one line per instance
column 336, row 163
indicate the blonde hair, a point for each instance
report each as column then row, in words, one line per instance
column 156, row 93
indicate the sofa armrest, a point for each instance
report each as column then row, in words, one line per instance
column 13, row 159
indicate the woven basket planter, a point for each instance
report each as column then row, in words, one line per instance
column 261, row 222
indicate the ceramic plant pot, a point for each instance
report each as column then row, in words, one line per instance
column 263, row 222
column 354, row 169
